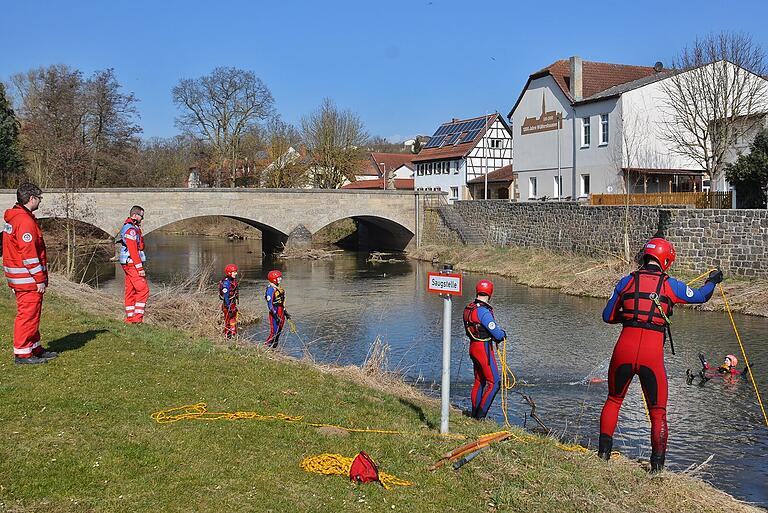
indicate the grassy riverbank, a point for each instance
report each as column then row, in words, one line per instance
column 582, row 276
column 76, row 435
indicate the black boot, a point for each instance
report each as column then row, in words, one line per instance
column 605, row 445
column 657, row 462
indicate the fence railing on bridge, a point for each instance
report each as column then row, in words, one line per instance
column 709, row 199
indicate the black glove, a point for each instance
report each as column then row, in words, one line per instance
column 715, row 276
column 287, row 316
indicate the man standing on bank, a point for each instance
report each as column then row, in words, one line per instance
column 482, row 330
column 132, row 259
column 642, row 302
column 25, row 266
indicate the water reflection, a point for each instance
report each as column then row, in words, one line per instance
column 342, row 305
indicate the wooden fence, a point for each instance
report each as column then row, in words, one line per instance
column 695, row 199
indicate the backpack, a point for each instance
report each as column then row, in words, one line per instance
column 363, row 469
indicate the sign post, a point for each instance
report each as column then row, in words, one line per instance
column 447, row 284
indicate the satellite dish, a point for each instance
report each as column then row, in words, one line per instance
column 659, row 66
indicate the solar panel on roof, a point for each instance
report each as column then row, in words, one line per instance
column 434, row 141
column 442, row 130
column 476, row 124
column 451, row 139
column 470, row 136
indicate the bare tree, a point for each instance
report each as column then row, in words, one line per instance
column 284, row 164
column 220, row 108
column 715, row 96
column 334, row 139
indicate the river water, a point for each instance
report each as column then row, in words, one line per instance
column 558, row 343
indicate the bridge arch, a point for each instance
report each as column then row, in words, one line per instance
column 376, row 232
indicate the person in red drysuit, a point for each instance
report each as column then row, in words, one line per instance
column 642, row 302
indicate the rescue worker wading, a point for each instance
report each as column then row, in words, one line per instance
column 482, row 330
column 275, row 296
column 132, row 259
column 25, row 266
column 643, row 302
column 230, row 296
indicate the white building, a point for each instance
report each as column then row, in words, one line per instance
column 585, row 127
column 462, row 150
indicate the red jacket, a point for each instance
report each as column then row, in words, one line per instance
column 24, row 260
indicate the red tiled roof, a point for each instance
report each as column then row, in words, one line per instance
column 459, row 150
column 367, row 168
column 595, row 77
column 400, row 184
column 391, row 160
column 503, row 174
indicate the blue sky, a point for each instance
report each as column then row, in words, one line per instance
column 403, row 67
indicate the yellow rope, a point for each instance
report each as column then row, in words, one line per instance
column 200, row 411
column 744, row 354
column 508, row 381
column 335, row 464
column 700, row 276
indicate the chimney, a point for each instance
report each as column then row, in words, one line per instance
column 454, row 120
column 576, row 80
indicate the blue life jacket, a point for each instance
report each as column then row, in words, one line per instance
column 124, row 256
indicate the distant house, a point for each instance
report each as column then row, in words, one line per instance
column 462, row 150
column 378, row 183
column 500, row 184
column 586, row 127
column 397, row 166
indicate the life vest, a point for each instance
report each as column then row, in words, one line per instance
column 278, row 295
column 363, row 469
column 472, row 325
column 638, row 309
column 125, row 257
column 234, row 290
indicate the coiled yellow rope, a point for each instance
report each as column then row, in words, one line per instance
column 200, row 411
column 508, row 381
column 336, row 464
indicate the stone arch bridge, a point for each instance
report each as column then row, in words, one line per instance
column 386, row 219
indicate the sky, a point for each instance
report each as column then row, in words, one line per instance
column 403, row 67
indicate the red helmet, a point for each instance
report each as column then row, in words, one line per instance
column 733, row 360
column 229, row 269
column 273, row 276
column 484, row 287
column 660, row 250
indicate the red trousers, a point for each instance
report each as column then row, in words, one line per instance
column 26, row 329
column 638, row 351
column 230, row 321
column 136, row 294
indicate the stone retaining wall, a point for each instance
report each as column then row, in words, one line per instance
column 736, row 240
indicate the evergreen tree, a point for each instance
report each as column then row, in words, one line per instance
column 749, row 174
column 10, row 155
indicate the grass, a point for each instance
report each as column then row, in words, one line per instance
column 583, row 276
column 76, row 435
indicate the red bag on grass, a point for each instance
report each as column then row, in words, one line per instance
column 363, row 469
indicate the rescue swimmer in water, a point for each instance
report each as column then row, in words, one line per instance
column 229, row 293
column 727, row 370
column 275, row 297
column 642, row 302
column 482, row 330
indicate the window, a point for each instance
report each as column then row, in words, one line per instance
column 533, row 191
column 584, row 185
column 603, row 129
column 429, row 168
column 585, row 132
column 446, row 167
column 558, row 188
column 456, row 166
column 495, row 143
column 420, row 169
column 454, row 193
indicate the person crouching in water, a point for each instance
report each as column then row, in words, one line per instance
column 275, row 297
column 727, row 370
column 642, row 302
column 482, row 330
column 229, row 294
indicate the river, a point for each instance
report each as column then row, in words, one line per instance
column 558, row 342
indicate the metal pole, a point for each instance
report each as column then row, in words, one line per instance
column 485, row 157
column 445, row 398
column 559, row 175
column 385, row 175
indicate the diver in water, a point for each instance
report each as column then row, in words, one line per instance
column 727, row 370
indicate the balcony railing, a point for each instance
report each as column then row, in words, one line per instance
column 695, row 199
